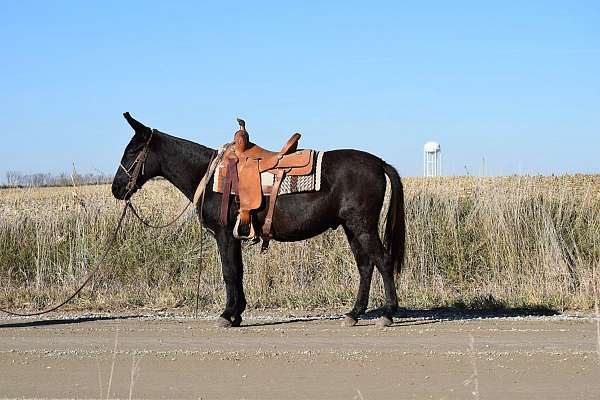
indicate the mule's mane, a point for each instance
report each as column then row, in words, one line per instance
column 180, row 140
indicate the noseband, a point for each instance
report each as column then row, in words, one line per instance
column 137, row 166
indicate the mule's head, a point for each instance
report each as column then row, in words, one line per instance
column 138, row 164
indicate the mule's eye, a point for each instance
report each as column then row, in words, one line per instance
column 131, row 151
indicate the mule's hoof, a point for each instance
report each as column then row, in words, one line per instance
column 222, row 323
column 382, row 322
column 348, row 321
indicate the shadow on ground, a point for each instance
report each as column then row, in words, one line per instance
column 62, row 321
column 288, row 321
column 460, row 311
column 486, row 309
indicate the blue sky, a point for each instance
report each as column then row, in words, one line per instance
column 515, row 82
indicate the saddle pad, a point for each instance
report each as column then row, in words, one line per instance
column 290, row 184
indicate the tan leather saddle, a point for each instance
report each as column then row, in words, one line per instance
column 244, row 163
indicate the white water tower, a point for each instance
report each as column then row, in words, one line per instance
column 432, row 159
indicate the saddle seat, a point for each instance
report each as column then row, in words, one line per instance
column 245, row 162
column 288, row 157
column 270, row 159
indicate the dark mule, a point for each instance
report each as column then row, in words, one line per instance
column 352, row 192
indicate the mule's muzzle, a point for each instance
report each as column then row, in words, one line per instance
column 120, row 191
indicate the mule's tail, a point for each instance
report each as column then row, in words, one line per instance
column 395, row 230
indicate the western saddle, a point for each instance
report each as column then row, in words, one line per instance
column 244, row 163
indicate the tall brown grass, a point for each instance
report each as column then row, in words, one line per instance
column 481, row 242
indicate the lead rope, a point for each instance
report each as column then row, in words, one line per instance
column 149, row 225
column 200, row 266
column 109, row 246
column 215, row 159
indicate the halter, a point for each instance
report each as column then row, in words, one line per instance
column 138, row 165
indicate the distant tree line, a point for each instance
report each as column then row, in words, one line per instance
column 41, row 179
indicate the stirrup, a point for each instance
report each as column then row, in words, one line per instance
column 251, row 236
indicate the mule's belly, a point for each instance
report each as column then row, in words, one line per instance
column 301, row 216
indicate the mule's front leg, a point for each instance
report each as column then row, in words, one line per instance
column 233, row 273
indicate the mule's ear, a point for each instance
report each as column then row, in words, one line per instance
column 137, row 126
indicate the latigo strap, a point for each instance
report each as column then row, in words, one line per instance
column 266, row 229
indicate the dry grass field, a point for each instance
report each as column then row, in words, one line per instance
column 484, row 243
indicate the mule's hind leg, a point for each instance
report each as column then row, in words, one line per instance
column 365, row 270
column 369, row 241
column 386, row 268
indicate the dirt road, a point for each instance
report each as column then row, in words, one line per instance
column 284, row 358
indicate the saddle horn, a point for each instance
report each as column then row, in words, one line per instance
column 242, row 124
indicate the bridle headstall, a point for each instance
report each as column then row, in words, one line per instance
column 138, row 165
